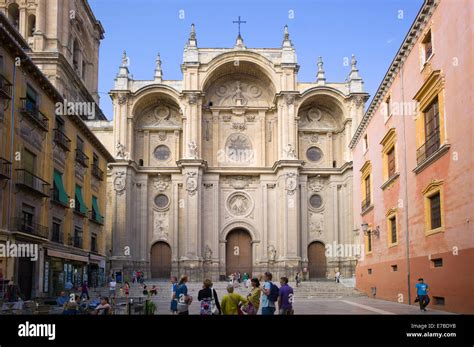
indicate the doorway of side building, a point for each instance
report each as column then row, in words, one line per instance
column 316, row 260
column 160, row 261
column 25, row 277
column 238, row 252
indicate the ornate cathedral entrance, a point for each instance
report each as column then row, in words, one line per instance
column 160, row 260
column 238, row 252
column 317, row 260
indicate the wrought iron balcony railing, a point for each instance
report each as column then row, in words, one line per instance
column 5, row 169
column 21, row 225
column 97, row 172
column 5, row 88
column 32, row 182
column 82, row 158
column 62, row 140
column 430, row 146
column 32, row 112
column 57, row 237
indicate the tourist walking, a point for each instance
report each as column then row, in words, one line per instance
column 85, row 290
column 126, row 289
column 338, row 276
column 181, row 294
column 254, row 297
column 269, row 295
column 298, row 279
column 285, row 298
column 174, row 301
column 232, row 302
column 209, row 300
column 422, row 294
column 112, row 287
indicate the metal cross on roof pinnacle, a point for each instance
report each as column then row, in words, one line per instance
column 239, row 22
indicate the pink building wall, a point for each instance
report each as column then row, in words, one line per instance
column 451, row 27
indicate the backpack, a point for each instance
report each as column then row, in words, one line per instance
column 274, row 292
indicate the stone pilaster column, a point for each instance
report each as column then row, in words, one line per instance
column 192, row 171
column 23, row 25
column 122, row 250
column 304, row 217
column 215, row 138
column 40, row 25
column 291, row 224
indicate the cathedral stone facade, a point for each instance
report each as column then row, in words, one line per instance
column 236, row 167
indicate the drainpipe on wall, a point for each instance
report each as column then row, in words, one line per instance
column 10, row 182
column 405, row 184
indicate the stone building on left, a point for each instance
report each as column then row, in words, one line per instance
column 52, row 168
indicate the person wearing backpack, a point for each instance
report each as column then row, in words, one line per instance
column 270, row 293
column 209, row 300
column 181, row 294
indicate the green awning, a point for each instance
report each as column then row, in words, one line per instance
column 58, row 182
column 95, row 208
column 82, row 205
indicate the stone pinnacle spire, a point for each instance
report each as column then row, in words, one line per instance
column 158, row 70
column 354, row 74
column 192, row 41
column 286, row 38
column 320, row 78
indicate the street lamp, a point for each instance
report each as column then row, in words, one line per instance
column 365, row 229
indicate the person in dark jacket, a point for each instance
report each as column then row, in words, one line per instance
column 205, row 295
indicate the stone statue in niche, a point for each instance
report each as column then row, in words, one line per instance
column 290, row 151
column 207, row 253
column 192, row 150
column 238, row 97
column 271, row 253
column 121, row 154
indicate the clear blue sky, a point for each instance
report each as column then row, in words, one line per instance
column 334, row 29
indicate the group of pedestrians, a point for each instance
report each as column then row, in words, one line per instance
column 264, row 297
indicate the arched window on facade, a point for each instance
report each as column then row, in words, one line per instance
column 14, row 14
column 31, row 25
column 75, row 55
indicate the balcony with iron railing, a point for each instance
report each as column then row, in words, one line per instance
column 82, row 158
column 430, row 146
column 21, row 225
column 5, row 88
column 75, row 241
column 366, row 203
column 31, row 182
column 5, row 169
column 57, row 237
column 62, row 140
column 31, row 111
column 97, row 172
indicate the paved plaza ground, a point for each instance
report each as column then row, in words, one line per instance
column 311, row 298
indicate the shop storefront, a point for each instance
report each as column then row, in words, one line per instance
column 64, row 272
column 96, row 271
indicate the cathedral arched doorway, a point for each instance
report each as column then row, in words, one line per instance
column 160, row 260
column 317, row 260
column 238, row 252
